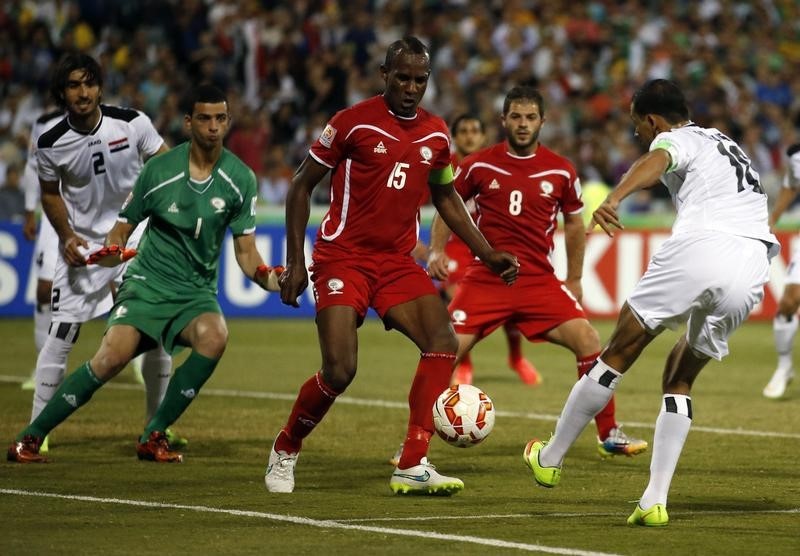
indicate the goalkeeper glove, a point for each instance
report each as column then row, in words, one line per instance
column 267, row 277
column 110, row 256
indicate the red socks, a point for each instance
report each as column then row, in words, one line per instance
column 604, row 420
column 311, row 405
column 433, row 376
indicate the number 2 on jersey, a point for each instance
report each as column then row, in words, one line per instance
column 98, row 163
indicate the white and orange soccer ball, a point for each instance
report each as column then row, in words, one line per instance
column 463, row 415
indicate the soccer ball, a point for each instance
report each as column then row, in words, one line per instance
column 463, row 415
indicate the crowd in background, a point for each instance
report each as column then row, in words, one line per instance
column 287, row 66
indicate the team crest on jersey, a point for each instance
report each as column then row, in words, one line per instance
column 327, row 135
column 546, row 187
column 459, row 317
column 426, row 153
column 219, row 204
column 335, row 285
column 380, row 148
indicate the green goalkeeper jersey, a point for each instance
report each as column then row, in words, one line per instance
column 180, row 249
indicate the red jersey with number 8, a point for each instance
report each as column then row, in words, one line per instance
column 379, row 175
column 518, row 200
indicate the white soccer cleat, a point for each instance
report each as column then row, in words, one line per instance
column 776, row 386
column 424, row 479
column 279, row 476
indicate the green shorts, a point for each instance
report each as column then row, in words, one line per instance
column 159, row 315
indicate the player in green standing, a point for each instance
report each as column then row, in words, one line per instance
column 169, row 292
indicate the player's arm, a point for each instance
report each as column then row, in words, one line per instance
column 251, row 263
column 452, row 210
column 298, row 206
column 437, row 258
column 56, row 211
column 575, row 243
column 162, row 149
column 785, row 198
column 644, row 173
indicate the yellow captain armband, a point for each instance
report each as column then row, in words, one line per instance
column 671, row 151
column 441, row 176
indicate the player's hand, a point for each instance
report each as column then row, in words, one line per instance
column 268, row 277
column 606, row 216
column 29, row 226
column 110, row 256
column 73, row 255
column 438, row 264
column 504, row 264
column 293, row 282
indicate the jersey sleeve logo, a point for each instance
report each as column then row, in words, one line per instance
column 327, row 135
column 426, row 153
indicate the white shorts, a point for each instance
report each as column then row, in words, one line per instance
column 793, row 272
column 45, row 251
column 708, row 280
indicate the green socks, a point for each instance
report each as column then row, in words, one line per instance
column 75, row 391
column 183, row 387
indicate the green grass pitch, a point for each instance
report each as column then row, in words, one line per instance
column 736, row 491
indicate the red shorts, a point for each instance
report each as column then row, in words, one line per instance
column 377, row 280
column 536, row 304
column 460, row 258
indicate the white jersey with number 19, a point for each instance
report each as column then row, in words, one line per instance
column 712, row 184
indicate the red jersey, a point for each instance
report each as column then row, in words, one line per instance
column 518, row 200
column 380, row 164
column 456, row 250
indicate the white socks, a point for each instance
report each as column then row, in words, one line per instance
column 588, row 396
column 784, row 331
column 156, row 367
column 51, row 364
column 672, row 427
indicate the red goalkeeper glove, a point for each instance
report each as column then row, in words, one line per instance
column 110, row 256
column 267, row 277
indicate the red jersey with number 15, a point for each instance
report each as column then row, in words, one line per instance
column 518, row 200
column 380, row 164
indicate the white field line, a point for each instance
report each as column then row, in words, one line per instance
column 323, row 524
column 545, row 515
column 404, row 406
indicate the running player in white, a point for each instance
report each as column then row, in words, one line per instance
column 784, row 326
column 87, row 165
column 45, row 251
column 708, row 275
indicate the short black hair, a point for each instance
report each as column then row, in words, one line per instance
column 408, row 45
column 524, row 92
column 661, row 97
column 463, row 118
column 206, row 93
column 68, row 63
